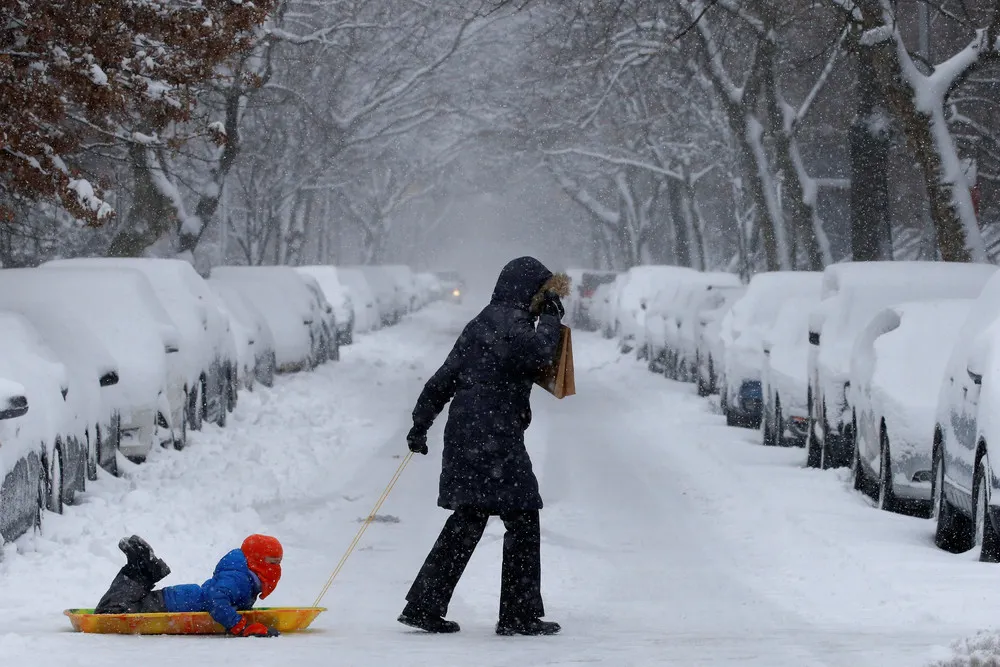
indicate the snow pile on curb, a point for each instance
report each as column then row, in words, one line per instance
column 980, row 650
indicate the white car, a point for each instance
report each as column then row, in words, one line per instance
column 429, row 288
column 284, row 299
column 124, row 313
column 897, row 365
column 742, row 332
column 709, row 355
column 406, row 286
column 705, row 293
column 50, row 432
column 207, row 349
column 23, row 477
column 584, row 305
column 964, row 486
column 254, row 340
column 391, row 309
column 328, row 279
column 326, row 346
column 639, row 288
column 363, row 300
column 785, row 377
column 852, row 293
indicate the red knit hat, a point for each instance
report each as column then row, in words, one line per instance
column 263, row 554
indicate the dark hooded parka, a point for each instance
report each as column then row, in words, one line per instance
column 488, row 378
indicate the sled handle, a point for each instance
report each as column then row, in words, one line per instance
column 364, row 526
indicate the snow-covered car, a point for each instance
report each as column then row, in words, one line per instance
column 207, row 347
column 338, row 296
column 327, row 347
column 452, row 285
column 582, row 307
column 709, row 354
column 77, row 345
column 704, row 293
column 407, row 295
column 640, row 287
column 122, row 310
column 383, row 285
column 606, row 305
column 897, row 364
column 784, row 374
column 429, row 287
column 964, row 485
column 23, row 479
column 363, row 300
column 284, row 299
column 255, row 342
column 852, row 293
column 742, row 332
column 49, row 434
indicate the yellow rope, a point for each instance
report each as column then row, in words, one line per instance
column 364, row 527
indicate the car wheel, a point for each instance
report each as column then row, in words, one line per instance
column 985, row 533
column 886, row 496
column 43, row 498
column 225, row 389
column 953, row 532
column 777, row 428
column 857, row 470
column 93, row 454
column 54, row 501
column 814, row 455
column 195, row 411
column 767, row 431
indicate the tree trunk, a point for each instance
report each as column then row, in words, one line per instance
column 869, row 138
column 152, row 215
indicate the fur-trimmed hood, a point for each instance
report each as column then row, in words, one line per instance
column 559, row 284
column 523, row 282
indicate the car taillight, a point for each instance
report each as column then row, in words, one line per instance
column 586, row 293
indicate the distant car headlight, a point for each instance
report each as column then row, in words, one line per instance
column 456, row 292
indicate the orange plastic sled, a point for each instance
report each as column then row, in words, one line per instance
column 282, row 619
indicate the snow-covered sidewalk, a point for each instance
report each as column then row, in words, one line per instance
column 668, row 538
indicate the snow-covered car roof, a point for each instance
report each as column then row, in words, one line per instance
column 185, row 296
column 847, row 274
column 856, row 302
column 122, row 310
column 757, row 309
column 242, row 308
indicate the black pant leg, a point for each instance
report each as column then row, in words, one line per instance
column 435, row 583
column 521, row 579
column 128, row 595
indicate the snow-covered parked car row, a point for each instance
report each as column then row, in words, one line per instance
column 890, row 368
column 107, row 356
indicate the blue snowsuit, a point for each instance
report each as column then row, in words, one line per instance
column 232, row 587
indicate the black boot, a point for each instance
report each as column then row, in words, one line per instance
column 422, row 620
column 531, row 627
column 143, row 565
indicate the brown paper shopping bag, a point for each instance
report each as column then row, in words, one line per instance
column 558, row 379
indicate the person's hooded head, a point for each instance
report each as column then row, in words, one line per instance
column 524, row 282
column 263, row 554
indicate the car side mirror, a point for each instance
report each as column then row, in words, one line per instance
column 977, row 378
column 17, row 406
column 170, row 348
column 814, row 338
column 978, row 358
column 109, row 379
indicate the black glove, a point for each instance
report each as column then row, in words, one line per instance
column 553, row 306
column 416, row 440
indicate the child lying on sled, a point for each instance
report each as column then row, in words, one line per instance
column 243, row 574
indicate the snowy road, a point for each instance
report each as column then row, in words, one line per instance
column 668, row 538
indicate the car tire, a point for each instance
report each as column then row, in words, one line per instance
column 985, row 532
column 776, row 427
column 858, row 480
column 814, row 455
column 196, row 413
column 953, row 532
column 886, row 496
column 54, row 499
column 93, row 454
column 43, row 494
